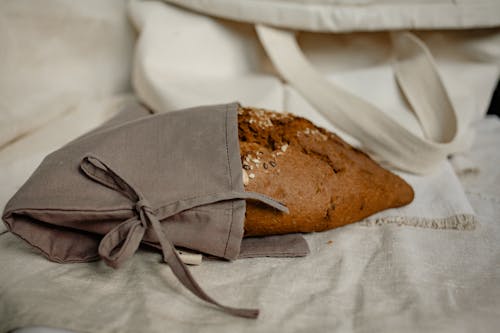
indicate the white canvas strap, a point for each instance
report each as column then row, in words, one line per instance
column 379, row 134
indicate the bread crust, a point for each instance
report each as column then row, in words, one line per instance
column 325, row 182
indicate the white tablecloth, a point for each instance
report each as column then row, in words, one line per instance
column 357, row 278
column 59, row 55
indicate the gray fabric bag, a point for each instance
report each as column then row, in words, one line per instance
column 171, row 179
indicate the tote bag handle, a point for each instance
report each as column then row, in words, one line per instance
column 418, row 78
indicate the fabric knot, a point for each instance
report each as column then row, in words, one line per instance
column 122, row 241
column 143, row 205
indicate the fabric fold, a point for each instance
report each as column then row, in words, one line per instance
column 122, row 241
column 168, row 180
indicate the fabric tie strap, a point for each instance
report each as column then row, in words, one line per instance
column 121, row 242
column 444, row 133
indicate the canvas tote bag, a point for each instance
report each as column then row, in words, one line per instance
column 444, row 131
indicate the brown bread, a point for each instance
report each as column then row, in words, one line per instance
column 325, row 182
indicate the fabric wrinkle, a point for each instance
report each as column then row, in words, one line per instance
column 148, row 219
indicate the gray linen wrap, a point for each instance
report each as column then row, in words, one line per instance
column 170, row 179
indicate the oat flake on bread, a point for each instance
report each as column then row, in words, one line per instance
column 325, row 182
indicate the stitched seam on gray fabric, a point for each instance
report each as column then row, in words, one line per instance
column 272, row 254
column 124, row 209
column 230, row 183
column 230, row 227
column 243, row 196
column 190, row 198
column 127, row 209
column 55, row 258
column 205, row 210
column 79, row 260
column 71, row 260
column 17, row 210
column 197, row 208
column 227, row 150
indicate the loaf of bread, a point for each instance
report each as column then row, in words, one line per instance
column 325, row 182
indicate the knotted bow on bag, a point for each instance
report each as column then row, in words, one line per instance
column 122, row 242
column 102, row 195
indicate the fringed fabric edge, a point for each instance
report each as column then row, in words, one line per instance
column 455, row 222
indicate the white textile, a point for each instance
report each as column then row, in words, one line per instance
column 378, row 275
column 354, row 15
column 172, row 70
column 56, row 54
column 385, row 278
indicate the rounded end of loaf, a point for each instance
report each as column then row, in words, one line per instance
column 325, row 182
